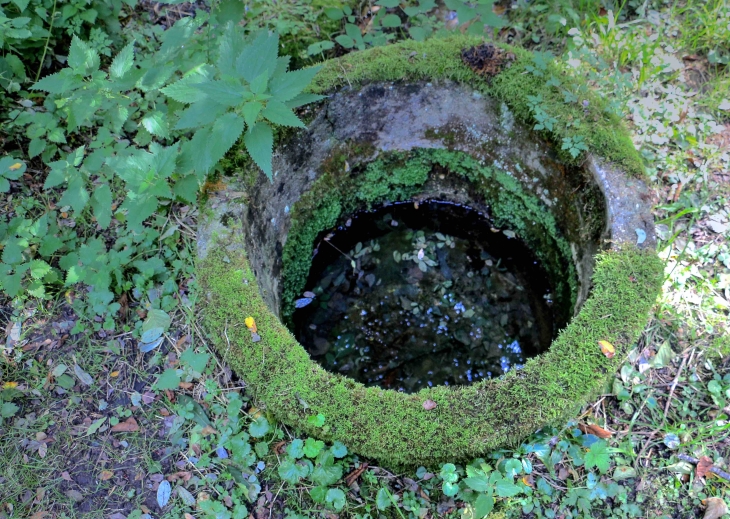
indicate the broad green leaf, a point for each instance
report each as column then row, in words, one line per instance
column 259, row 427
column 11, row 283
column 101, row 203
column 230, row 46
column 345, row 41
column 168, row 380
column 334, row 13
column 187, row 188
column 336, row 498
column 8, row 409
column 512, row 467
column 13, row 251
column 505, row 488
column 58, row 83
column 230, row 11
column 388, row 3
column 417, row 33
column 278, row 113
column 251, row 111
column 224, row 134
column 483, row 506
column 382, row 499
column 289, row 85
column 339, row 450
column 478, row 483
column 597, row 456
column 36, row 147
column 292, row 472
column 156, row 123
column 39, row 268
column 82, row 58
column 122, row 62
column 12, row 168
column 663, row 357
column 258, row 57
column 313, row 447
column 320, row 46
column 76, row 194
column 296, row 448
column 195, row 361
column 4, row 185
column 303, row 99
column 199, row 114
column 156, row 323
column 259, row 141
column 391, row 20
column 259, row 84
column 186, row 90
column 222, row 92
column 326, row 474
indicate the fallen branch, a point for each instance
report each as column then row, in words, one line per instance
column 713, row 469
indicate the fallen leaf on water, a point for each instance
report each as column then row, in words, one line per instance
column 128, row 425
column 251, row 324
column 105, row 475
column 595, row 430
column 703, row 466
column 716, row 508
column 429, row 404
column 607, row 349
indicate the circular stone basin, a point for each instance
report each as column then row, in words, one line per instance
column 412, row 295
column 412, row 123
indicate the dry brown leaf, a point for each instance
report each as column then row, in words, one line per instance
column 429, row 404
column 207, row 430
column 703, row 466
column 595, row 430
column 607, row 349
column 105, row 475
column 66, row 476
column 128, row 425
column 716, row 508
column 39, row 515
column 42, row 450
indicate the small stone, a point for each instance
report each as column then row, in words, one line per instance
column 255, row 337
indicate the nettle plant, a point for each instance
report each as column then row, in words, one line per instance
column 123, row 145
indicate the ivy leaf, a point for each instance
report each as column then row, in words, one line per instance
column 278, row 113
column 168, row 380
column 597, row 456
column 101, row 203
column 122, row 62
column 259, row 141
column 258, row 57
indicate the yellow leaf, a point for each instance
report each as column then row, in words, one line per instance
column 607, row 349
column 106, row 474
column 114, row 374
column 250, row 324
column 10, row 385
column 15, row 166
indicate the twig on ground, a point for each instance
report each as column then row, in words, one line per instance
column 713, row 469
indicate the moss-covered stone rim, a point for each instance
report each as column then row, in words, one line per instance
column 589, row 118
column 468, row 421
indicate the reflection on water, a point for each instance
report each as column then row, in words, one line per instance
column 409, row 296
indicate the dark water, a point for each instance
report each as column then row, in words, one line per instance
column 413, row 296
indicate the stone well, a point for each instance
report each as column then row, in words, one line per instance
column 416, row 121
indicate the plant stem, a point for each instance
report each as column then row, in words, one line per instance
column 45, row 47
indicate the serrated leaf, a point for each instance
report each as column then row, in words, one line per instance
column 259, row 84
column 199, row 114
column 292, row 472
column 186, row 90
column 168, row 380
column 122, row 62
column 76, row 194
column 278, row 113
column 258, row 57
column 251, row 111
column 156, row 123
column 8, row 409
column 36, row 147
column 101, row 203
column 13, row 252
column 222, row 92
column 82, row 58
column 303, row 99
column 287, row 86
column 187, row 188
column 195, row 361
column 39, row 268
column 259, row 141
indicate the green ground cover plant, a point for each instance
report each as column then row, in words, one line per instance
column 669, row 87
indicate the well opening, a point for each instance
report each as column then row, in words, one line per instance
column 377, row 146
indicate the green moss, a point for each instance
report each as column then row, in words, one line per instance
column 398, row 176
column 602, row 131
column 394, row 427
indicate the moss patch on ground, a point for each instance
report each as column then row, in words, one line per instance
column 602, row 131
column 398, row 176
column 394, row 427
